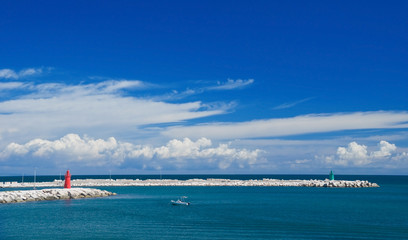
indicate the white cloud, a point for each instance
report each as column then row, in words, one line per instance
column 97, row 109
column 291, row 104
column 358, row 155
column 8, row 73
column 186, row 149
column 314, row 123
column 47, row 90
column 90, row 152
column 29, row 72
column 401, row 157
column 386, row 149
column 319, row 155
column 11, row 74
column 114, row 85
column 231, row 84
column 4, row 86
column 355, row 153
column 176, row 95
column 108, row 108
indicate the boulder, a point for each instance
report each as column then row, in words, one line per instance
column 51, row 194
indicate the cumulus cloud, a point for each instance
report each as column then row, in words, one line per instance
column 358, row 155
column 355, row 153
column 231, row 84
column 313, row 123
column 11, row 74
column 71, row 147
column 98, row 152
column 386, row 150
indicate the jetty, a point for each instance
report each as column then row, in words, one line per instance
column 51, row 194
column 266, row 182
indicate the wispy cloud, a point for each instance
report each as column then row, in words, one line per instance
column 14, row 85
column 100, row 88
column 11, row 74
column 99, row 152
column 291, row 104
column 99, row 108
column 153, row 133
column 231, row 84
column 305, row 124
column 177, row 95
column 8, row 73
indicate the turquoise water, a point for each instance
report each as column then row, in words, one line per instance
column 219, row 213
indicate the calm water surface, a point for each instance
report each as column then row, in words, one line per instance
column 219, row 213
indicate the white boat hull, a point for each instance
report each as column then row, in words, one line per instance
column 178, row 202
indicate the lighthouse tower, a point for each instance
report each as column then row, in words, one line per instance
column 331, row 175
column 67, row 183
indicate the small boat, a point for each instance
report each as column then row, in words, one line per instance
column 180, row 201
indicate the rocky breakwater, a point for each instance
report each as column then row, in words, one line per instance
column 339, row 184
column 266, row 182
column 51, row 194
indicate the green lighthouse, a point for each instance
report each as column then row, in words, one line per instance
column 331, row 175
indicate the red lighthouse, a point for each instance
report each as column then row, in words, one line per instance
column 67, row 183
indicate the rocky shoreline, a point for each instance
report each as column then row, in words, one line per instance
column 266, row 182
column 51, row 194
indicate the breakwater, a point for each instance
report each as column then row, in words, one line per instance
column 51, row 194
column 266, row 182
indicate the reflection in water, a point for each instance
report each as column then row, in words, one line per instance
column 68, row 202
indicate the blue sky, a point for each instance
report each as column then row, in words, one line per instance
column 203, row 87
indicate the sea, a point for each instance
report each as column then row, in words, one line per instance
column 217, row 212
